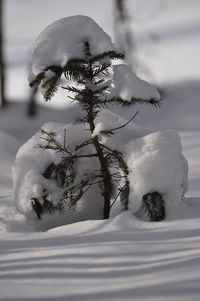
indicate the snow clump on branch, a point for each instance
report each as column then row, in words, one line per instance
column 63, row 40
column 156, row 163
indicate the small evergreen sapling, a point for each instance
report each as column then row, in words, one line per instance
column 90, row 78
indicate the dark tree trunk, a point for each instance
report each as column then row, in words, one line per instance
column 121, row 10
column 32, row 106
column 121, row 20
column 107, row 181
column 2, row 67
column 106, row 177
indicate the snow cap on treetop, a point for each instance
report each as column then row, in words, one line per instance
column 63, row 40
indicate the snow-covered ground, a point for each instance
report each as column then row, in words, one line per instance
column 122, row 258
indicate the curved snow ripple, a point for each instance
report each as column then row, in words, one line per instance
column 119, row 259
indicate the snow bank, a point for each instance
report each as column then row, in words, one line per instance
column 127, row 85
column 64, row 40
column 156, row 163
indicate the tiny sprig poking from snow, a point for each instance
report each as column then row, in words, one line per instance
column 64, row 40
column 156, row 163
column 128, row 86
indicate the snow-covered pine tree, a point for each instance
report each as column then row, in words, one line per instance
column 78, row 53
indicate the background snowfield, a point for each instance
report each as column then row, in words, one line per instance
column 122, row 258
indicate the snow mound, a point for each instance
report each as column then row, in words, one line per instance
column 29, row 182
column 63, row 40
column 31, row 162
column 127, row 85
column 156, row 163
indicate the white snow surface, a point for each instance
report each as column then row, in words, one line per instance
column 156, row 163
column 118, row 259
column 128, row 86
column 64, row 40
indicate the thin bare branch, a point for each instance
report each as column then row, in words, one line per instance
column 65, row 133
column 124, row 125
